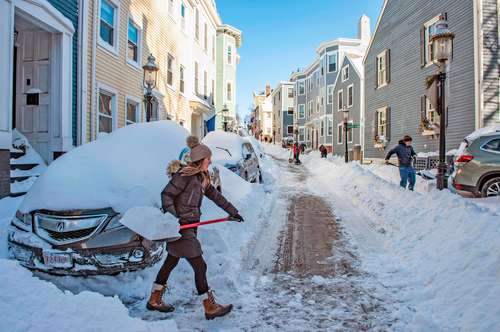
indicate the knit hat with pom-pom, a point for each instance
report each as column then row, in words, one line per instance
column 192, row 141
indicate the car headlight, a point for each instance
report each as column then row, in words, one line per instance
column 23, row 221
column 114, row 223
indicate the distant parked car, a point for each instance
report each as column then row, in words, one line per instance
column 69, row 222
column 235, row 153
column 477, row 166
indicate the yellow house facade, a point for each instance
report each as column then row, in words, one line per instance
column 120, row 35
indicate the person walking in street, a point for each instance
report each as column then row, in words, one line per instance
column 405, row 154
column 323, row 151
column 182, row 197
column 296, row 153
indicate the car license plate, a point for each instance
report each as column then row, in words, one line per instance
column 57, row 259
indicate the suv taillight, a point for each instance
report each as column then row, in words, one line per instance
column 465, row 158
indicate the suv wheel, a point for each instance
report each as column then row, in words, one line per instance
column 491, row 188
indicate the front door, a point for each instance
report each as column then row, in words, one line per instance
column 33, row 90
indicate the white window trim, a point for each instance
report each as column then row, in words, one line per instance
column 298, row 112
column 139, row 114
column 330, row 90
column 183, row 19
column 380, row 56
column 298, row 87
column 170, row 86
column 134, row 64
column 114, row 106
column 340, row 138
column 329, row 125
column 197, row 37
column 428, row 24
column 347, row 99
column 226, row 100
column 381, row 110
column 171, row 10
column 340, row 107
column 116, row 30
column 336, row 62
column 229, row 63
column 303, row 134
column 185, row 85
column 344, row 69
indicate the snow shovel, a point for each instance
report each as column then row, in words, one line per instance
column 423, row 174
column 154, row 225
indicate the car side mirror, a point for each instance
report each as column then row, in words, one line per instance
column 248, row 156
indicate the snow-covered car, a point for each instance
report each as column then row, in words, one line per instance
column 236, row 153
column 69, row 222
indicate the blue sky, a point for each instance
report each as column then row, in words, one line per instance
column 281, row 35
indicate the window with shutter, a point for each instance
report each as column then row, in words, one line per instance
column 388, row 66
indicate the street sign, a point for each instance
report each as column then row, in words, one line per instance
column 353, row 125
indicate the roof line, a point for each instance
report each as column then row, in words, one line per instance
column 376, row 29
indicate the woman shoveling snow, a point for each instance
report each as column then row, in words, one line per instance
column 182, row 197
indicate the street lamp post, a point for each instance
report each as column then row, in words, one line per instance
column 224, row 112
column 442, row 47
column 345, row 113
column 149, row 83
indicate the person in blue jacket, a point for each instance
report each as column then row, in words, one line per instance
column 405, row 154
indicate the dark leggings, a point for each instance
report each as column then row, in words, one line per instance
column 197, row 263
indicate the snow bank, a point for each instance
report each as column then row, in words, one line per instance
column 219, row 140
column 439, row 250
column 30, row 304
column 123, row 169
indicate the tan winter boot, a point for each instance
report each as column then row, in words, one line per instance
column 155, row 301
column 213, row 309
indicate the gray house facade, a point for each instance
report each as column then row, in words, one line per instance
column 283, row 111
column 314, row 87
column 346, row 94
column 399, row 59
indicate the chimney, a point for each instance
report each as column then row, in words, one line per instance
column 268, row 90
column 364, row 32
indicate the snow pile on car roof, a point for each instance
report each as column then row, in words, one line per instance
column 123, row 169
column 226, row 147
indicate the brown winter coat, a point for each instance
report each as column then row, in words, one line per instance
column 182, row 197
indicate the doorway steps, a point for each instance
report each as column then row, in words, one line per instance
column 26, row 165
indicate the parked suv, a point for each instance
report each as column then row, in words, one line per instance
column 477, row 166
column 69, row 222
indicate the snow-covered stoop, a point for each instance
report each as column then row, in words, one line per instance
column 26, row 165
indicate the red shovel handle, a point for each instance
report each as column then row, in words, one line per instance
column 201, row 223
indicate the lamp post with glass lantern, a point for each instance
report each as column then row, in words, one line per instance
column 149, row 82
column 345, row 114
column 442, row 50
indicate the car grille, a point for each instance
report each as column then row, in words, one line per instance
column 61, row 230
column 71, row 235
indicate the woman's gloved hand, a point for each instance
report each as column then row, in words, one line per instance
column 237, row 218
